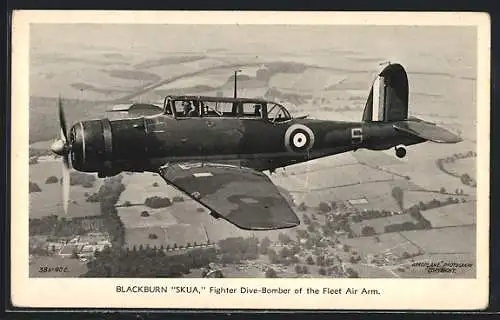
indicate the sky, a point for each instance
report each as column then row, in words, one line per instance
column 454, row 45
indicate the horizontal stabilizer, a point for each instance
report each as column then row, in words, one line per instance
column 427, row 130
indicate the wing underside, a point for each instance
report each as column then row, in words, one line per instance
column 243, row 196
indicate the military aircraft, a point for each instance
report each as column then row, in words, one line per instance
column 215, row 149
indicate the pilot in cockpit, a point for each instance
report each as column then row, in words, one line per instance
column 195, row 112
column 186, row 105
column 257, row 110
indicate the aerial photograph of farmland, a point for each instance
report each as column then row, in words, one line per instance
column 363, row 214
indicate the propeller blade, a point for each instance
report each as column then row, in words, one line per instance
column 65, row 183
column 62, row 120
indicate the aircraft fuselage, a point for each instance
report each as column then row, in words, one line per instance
column 146, row 143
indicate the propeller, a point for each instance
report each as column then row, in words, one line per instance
column 62, row 147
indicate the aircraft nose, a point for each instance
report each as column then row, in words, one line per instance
column 58, row 147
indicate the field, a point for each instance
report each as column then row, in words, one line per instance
column 461, row 166
column 192, row 216
column 452, row 215
column 389, row 243
column 173, row 235
column 49, row 200
column 460, row 239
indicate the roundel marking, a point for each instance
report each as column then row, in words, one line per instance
column 299, row 138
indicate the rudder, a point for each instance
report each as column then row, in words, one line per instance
column 388, row 98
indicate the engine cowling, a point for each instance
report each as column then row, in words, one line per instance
column 108, row 147
column 92, row 146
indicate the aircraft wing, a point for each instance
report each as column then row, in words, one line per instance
column 427, row 130
column 245, row 197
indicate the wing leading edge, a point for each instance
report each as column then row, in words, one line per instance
column 240, row 195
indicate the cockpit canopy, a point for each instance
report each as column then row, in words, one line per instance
column 196, row 106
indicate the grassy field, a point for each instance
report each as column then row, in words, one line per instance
column 461, row 239
column 378, row 195
column 452, row 215
column 131, row 217
column 461, row 166
column 393, row 243
column 49, row 200
column 188, row 213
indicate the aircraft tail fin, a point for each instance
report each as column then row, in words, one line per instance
column 388, row 98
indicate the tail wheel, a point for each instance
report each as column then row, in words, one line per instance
column 400, row 152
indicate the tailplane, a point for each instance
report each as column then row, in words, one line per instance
column 426, row 130
column 388, row 98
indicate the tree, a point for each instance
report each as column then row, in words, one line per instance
column 323, row 207
column 271, row 273
column 51, row 179
column 284, row 238
column 368, row 231
column 442, row 190
column 264, row 245
column 306, row 219
column 74, row 254
column 177, row 199
column 271, row 254
column 354, row 259
column 33, row 187
column 351, row 273
column 322, row 271
column 157, row 202
column 284, row 253
column 320, row 260
column 298, row 269
column 302, row 206
column 397, row 194
column 333, row 205
column 465, row 178
column 310, row 260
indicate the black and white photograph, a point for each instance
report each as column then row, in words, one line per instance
column 239, row 150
